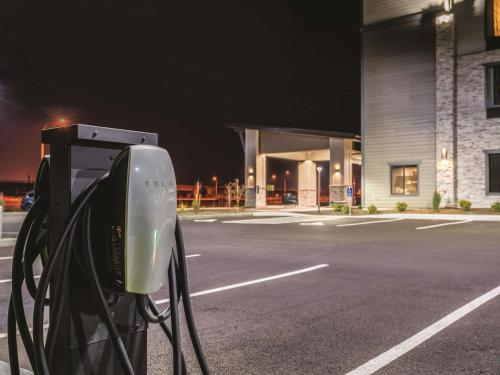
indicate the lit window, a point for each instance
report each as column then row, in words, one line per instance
column 494, row 173
column 493, row 25
column 404, row 180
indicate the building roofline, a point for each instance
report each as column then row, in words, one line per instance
column 272, row 129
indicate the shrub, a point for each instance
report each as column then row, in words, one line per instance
column 2, row 202
column 496, row 206
column 196, row 205
column 345, row 209
column 401, row 206
column 337, row 207
column 182, row 207
column 436, row 201
column 372, row 209
column 465, row 204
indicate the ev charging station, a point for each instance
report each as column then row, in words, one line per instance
column 104, row 225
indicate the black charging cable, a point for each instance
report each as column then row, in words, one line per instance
column 30, row 245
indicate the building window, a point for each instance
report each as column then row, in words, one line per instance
column 404, row 180
column 493, row 24
column 493, row 90
column 493, row 173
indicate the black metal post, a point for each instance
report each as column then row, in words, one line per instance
column 80, row 154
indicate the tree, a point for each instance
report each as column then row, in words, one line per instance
column 234, row 191
column 229, row 193
column 240, row 191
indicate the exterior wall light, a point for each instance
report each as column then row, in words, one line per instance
column 337, row 168
column 444, row 154
column 448, row 5
column 250, row 170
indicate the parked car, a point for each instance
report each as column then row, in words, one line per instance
column 290, row 198
column 28, row 200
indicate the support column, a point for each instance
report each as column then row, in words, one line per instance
column 446, row 87
column 340, row 168
column 307, row 184
column 261, row 173
column 251, row 152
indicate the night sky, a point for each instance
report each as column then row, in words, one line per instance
column 183, row 69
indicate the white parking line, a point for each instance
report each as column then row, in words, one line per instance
column 442, row 225
column 193, row 255
column 10, row 280
column 5, row 258
column 251, row 282
column 369, row 222
column 283, row 220
column 399, row 350
column 320, row 223
column 204, row 220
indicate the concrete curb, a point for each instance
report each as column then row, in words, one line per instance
column 5, row 369
column 7, row 242
column 447, row 217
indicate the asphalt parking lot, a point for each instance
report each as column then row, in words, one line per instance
column 333, row 295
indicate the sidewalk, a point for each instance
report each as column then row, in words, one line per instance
column 452, row 217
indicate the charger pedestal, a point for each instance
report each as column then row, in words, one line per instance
column 79, row 154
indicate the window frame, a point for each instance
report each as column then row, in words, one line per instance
column 404, row 166
column 492, row 109
column 487, row 154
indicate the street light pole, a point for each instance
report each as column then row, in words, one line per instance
column 214, row 179
column 319, row 169
column 284, row 185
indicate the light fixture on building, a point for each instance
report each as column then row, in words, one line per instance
column 448, row 5
column 250, row 170
column 337, row 168
column 444, row 154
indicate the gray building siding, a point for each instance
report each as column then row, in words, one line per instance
column 399, row 101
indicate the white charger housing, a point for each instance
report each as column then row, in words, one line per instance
column 142, row 247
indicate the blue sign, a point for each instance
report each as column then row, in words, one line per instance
column 349, row 192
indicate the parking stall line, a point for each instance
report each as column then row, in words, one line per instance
column 251, row 282
column 205, row 220
column 401, row 349
column 444, row 224
column 369, row 222
column 5, row 258
column 193, row 255
column 284, row 220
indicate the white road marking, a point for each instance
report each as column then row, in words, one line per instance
column 283, row 220
column 10, row 280
column 4, row 335
column 320, row 223
column 5, row 258
column 204, row 220
column 399, row 350
column 193, row 255
column 369, row 222
column 442, row 225
column 251, row 282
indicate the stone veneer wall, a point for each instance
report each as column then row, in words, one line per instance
column 446, row 110
column 307, row 198
column 475, row 133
